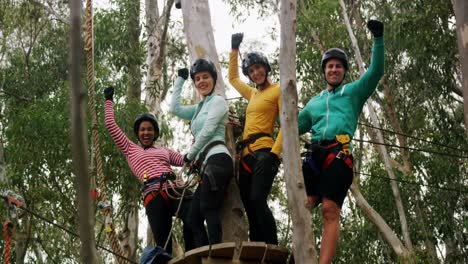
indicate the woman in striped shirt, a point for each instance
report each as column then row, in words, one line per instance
column 152, row 166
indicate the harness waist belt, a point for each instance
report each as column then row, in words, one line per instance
column 250, row 140
column 202, row 155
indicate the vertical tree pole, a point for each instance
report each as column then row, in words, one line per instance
column 460, row 7
column 2, row 162
column 303, row 238
column 79, row 140
column 200, row 42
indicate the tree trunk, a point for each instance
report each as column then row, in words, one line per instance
column 200, row 42
column 79, row 139
column 460, row 8
column 134, row 73
column 157, row 26
column 407, row 169
column 129, row 236
column 2, row 163
column 22, row 239
column 382, row 149
column 303, row 238
column 199, row 35
column 380, row 223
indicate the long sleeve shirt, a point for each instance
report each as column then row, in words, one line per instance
column 208, row 121
column 336, row 112
column 262, row 110
column 152, row 161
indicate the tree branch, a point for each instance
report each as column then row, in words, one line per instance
column 51, row 11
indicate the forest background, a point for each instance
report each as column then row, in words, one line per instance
column 414, row 180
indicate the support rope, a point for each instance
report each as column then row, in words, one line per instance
column 8, row 230
column 107, row 211
column 187, row 185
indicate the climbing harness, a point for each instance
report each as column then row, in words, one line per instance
column 240, row 145
column 324, row 152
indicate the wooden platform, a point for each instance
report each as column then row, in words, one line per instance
column 225, row 253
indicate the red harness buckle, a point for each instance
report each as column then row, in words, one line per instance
column 154, row 194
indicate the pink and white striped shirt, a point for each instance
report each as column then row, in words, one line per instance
column 154, row 161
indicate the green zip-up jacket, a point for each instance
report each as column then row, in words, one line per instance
column 208, row 121
column 336, row 112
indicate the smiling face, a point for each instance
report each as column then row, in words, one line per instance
column 146, row 133
column 334, row 73
column 257, row 73
column 204, row 83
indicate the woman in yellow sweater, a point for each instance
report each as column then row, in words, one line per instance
column 259, row 151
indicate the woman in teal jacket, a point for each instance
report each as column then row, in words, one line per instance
column 209, row 151
column 332, row 118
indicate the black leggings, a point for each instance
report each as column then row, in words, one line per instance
column 254, row 190
column 160, row 212
column 208, row 199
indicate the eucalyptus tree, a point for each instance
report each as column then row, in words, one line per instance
column 200, row 44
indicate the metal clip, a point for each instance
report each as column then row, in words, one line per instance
column 341, row 155
column 104, row 205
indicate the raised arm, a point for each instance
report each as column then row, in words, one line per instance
column 182, row 111
column 367, row 84
column 119, row 137
column 245, row 90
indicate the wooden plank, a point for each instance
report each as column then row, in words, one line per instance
column 252, row 250
column 222, row 250
column 276, row 254
column 250, row 253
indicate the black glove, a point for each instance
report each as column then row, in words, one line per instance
column 236, row 40
column 183, row 73
column 109, row 93
column 376, row 27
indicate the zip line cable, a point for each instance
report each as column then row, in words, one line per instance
column 74, row 234
column 410, row 148
column 391, row 131
column 413, row 137
column 461, row 190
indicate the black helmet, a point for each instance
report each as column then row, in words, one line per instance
column 254, row 58
column 203, row 65
column 146, row 117
column 335, row 53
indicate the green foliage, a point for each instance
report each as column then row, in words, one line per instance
column 421, row 59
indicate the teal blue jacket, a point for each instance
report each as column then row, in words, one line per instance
column 207, row 126
column 336, row 112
